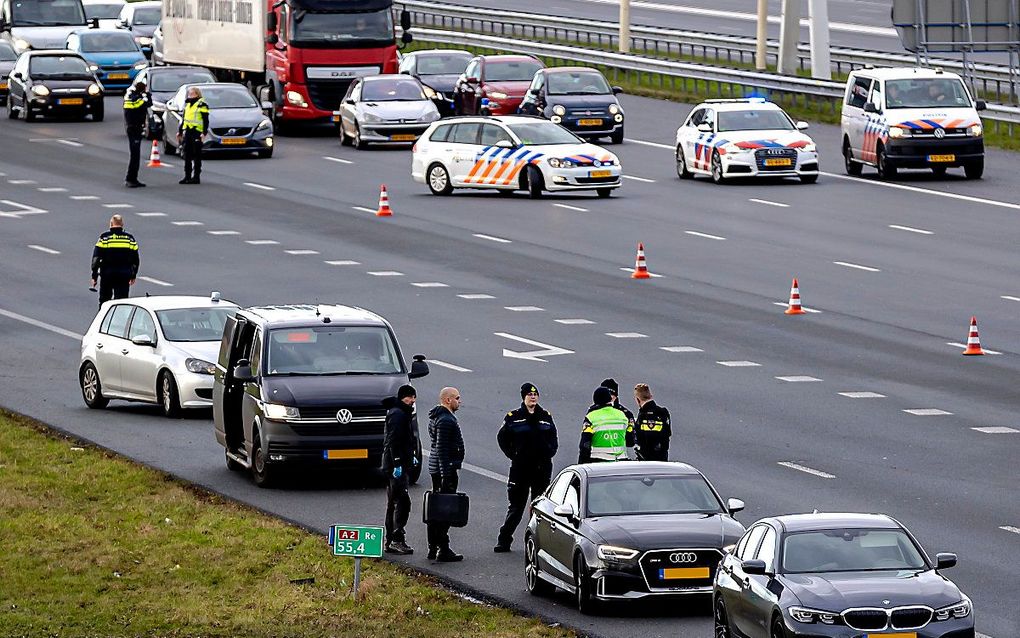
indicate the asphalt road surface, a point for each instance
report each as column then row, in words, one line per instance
column 863, row 406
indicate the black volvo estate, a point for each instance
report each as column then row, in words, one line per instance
column 305, row 384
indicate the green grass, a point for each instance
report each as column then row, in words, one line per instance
column 95, row 545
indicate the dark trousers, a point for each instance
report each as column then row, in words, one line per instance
column 113, row 287
column 135, row 148
column 654, row 451
column 524, row 486
column 398, row 508
column 439, row 533
column 192, row 149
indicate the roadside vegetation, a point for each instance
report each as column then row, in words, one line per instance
column 92, row 544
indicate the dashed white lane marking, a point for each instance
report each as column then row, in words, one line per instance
column 575, row 322
column 58, row 141
column 342, row 262
column 68, row 142
column 40, row 324
column 476, row 295
column 768, row 203
column 1009, row 298
column 910, row 229
column 652, row 274
column 681, row 349
column 643, row 180
column 429, row 284
column 784, row 304
column 338, row 160
column 223, row 232
column 977, row 634
column 44, row 249
column 260, row 186
column 654, row 144
column 569, row 207
column 261, row 242
column 301, row 251
column 524, row 308
column 927, row 412
column 798, row 379
column 51, row 189
column 84, row 198
column 450, row 366
column 481, row 471
column 385, row 273
column 364, row 209
column 117, row 206
column 739, row 364
column 20, row 182
column 847, row 264
column 964, row 346
column 151, row 214
column 861, row 395
column 498, row 240
column 19, row 209
column 158, row 282
column 1005, row 528
column 705, row 235
column 915, row 189
column 807, row 470
column 626, row 335
column 997, row 429
column 189, row 222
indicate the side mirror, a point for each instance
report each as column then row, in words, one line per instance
column 471, row 80
column 123, row 24
column 617, row 90
column 945, row 560
column 271, row 21
column 17, row 76
column 535, row 91
column 406, row 37
column 419, row 368
column 94, row 23
column 272, row 38
column 349, row 100
column 566, row 510
column 734, row 505
column 871, row 107
column 980, row 105
column 263, row 94
column 266, row 105
column 753, row 567
column 505, row 144
column 705, row 127
column 144, row 340
column 802, row 125
column 405, row 19
column 243, row 373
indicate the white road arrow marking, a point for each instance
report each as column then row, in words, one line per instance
column 545, row 350
column 19, row 209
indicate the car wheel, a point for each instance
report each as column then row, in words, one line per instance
column 232, row 465
column 12, row 113
column 169, row 398
column 681, row 164
column 809, row 179
column 582, row 587
column 168, row 148
column 344, row 140
column 359, row 143
column 98, row 114
column 533, row 182
column 604, row 192
column 938, row 171
column 27, row 112
column 717, row 169
column 974, row 169
column 885, row 170
column 92, row 387
column 439, row 180
column 849, row 165
column 536, row 586
column 617, row 137
column 504, row 192
column 778, row 631
column 261, row 470
column 722, row 620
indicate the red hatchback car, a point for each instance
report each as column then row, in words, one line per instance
column 503, row 79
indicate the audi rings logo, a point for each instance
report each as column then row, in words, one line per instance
column 344, row 416
column 940, row 133
column 678, row 558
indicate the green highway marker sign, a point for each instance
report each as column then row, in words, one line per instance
column 357, row 541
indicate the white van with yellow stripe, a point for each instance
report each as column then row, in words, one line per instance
column 508, row 153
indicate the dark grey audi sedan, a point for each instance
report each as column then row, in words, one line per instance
column 627, row 530
column 836, row 576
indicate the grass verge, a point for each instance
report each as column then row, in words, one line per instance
column 94, row 545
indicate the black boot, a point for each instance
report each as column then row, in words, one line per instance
column 447, row 555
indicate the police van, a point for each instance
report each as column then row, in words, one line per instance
column 911, row 118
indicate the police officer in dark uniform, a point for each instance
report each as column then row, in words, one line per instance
column 136, row 108
column 398, row 458
column 651, row 428
column 614, row 388
column 528, row 438
column 115, row 261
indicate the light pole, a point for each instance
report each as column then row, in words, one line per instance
column 761, row 46
column 624, row 26
column 818, row 29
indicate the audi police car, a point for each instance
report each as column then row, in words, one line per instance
column 509, row 153
column 744, row 138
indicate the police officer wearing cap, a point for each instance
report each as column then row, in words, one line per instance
column 398, row 458
column 651, row 428
column 528, row 438
column 606, row 433
column 614, row 387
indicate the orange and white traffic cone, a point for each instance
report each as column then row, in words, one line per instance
column 384, row 203
column 154, row 156
column 640, row 267
column 973, row 342
column 794, row 307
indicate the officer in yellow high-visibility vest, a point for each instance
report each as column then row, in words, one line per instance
column 191, row 135
column 606, row 433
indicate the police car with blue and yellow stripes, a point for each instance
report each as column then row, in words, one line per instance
column 510, row 153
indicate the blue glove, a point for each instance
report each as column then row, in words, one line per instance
column 398, row 472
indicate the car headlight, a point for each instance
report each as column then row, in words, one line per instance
column 141, row 64
column 431, row 116
column 93, row 67
column 611, row 552
column 559, row 110
column 22, row 45
column 199, row 366
column 40, row 90
column 371, row 117
column 144, row 40
column 296, row 99
column 278, row 412
column 430, row 93
column 614, row 108
column 959, row 610
column 805, row 615
column 975, row 130
column 94, row 89
column 264, row 124
column 497, row 95
column 897, row 132
column 557, row 162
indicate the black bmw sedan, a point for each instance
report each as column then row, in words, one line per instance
column 619, row 531
column 836, row 576
column 578, row 99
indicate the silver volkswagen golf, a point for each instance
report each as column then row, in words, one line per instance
column 155, row 350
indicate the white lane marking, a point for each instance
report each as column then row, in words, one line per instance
column 51, row 189
column 545, row 350
column 342, row 262
column 82, row 198
column 655, row 144
column 337, row 160
column 807, row 470
column 69, row 142
column 58, row 141
column 575, row 322
column 1010, row 528
column 705, row 235
column 911, row 229
column 19, row 209
column 977, row 634
column 681, row 349
column 847, row 264
column 964, row 346
column 385, row 273
column 188, row 223
column 158, row 282
column 651, row 274
column 476, row 295
column 927, row 412
column 569, row 207
column 450, row 366
column 498, row 240
column 1009, row 298
column 861, row 395
column 915, row 189
column 261, row 242
column 40, row 324
column 302, row 251
column 784, row 304
column 223, row 232
column 44, row 249
column 524, row 308
column 768, row 203
column 364, row 209
column 798, row 379
column 117, row 206
column 481, row 471
column 21, row 181
column 626, row 335
column 739, row 364
column 151, row 214
column 259, row 186
column 643, row 180
column 429, row 284
column 997, row 429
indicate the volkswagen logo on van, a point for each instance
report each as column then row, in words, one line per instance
column 683, row 557
column 344, row 416
column 940, row 133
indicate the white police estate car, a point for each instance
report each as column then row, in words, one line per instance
column 508, row 153
column 744, row 138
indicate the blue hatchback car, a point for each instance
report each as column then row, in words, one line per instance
column 113, row 55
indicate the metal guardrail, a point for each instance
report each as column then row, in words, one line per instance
column 993, row 81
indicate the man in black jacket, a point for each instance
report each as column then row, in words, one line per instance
column 652, row 428
column 115, row 261
column 528, row 438
column 398, row 458
column 445, row 460
column 136, row 109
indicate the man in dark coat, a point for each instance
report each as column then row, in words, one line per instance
column 652, row 428
column 398, row 459
column 445, row 461
column 115, row 261
column 136, row 109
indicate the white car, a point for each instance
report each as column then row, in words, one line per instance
column 508, row 153
column 744, row 138
column 153, row 349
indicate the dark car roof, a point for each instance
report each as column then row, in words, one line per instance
column 509, row 58
column 837, row 520
column 53, row 52
column 305, row 314
column 644, row 468
column 189, row 67
column 568, row 69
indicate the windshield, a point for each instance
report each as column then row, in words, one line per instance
column 147, row 16
column 754, row 120
column 170, row 80
column 535, row 133
column 194, row 324
column 107, row 42
column 616, row 495
column 577, row 83
column 228, row 97
column 511, row 71
column 323, row 350
column 57, row 65
column 368, row 28
column 443, row 64
column 924, row 93
column 103, row 11
column 392, row 90
column 7, row 53
column 850, row 550
column 50, row 13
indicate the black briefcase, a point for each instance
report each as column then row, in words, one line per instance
column 449, row 509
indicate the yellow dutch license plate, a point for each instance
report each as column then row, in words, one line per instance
column 334, row 455
column 600, row 173
column 909, row 634
column 681, row 573
column 594, row 122
column 779, row 161
column 403, row 137
column 118, row 76
column 941, row 158
column 233, row 141
column 71, row 101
